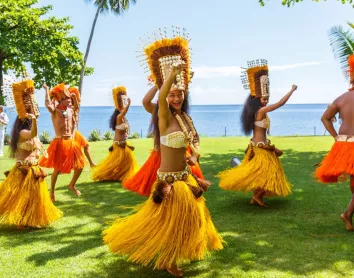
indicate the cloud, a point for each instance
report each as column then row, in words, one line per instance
column 206, row 72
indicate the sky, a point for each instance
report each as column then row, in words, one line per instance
column 224, row 36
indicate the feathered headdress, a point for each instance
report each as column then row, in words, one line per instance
column 117, row 94
column 256, row 79
column 23, row 94
column 164, row 52
column 59, row 92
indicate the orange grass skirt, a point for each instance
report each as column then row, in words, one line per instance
column 143, row 180
column 63, row 156
column 338, row 162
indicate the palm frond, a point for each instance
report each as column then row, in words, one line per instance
column 342, row 42
column 118, row 7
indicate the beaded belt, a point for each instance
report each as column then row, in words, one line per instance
column 33, row 162
column 260, row 144
column 171, row 177
column 345, row 138
column 120, row 142
column 65, row 137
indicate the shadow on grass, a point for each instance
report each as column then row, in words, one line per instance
column 297, row 235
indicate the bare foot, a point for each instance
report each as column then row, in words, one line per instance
column 259, row 201
column 252, row 201
column 93, row 165
column 175, row 271
column 76, row 192
column 347, row 222
column 52, row 196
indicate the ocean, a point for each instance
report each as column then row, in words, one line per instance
column 210, row 120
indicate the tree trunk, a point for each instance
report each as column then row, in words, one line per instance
column 2, row 98
column 88, row 50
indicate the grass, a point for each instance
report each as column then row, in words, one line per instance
column 297, row 236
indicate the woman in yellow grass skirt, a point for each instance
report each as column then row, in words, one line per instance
column 174, row 225
column 261, row 170
column 120, row 163
column 24, row 197
column 143, row 180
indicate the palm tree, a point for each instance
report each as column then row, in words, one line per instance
column 342, row 42
column 117, row 7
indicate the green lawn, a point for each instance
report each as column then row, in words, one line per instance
column 301, row 235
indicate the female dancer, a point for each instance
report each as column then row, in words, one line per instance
column 24, row 197
column 120, row 163
column 174, row 224
column 261, row 170
column 143, row 180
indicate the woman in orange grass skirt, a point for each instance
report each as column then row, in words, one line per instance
column 143, row 180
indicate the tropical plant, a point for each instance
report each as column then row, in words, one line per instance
column 45, row 137
column 28, row 36
column 342, row 42
column 95, row 135
column 108, row 135
column 117, row 7
column 134, row 135
column 292, row 2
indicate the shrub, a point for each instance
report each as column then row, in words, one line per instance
column 108, row 135
column 95, row 135
column 45, row 137
column 134, row 135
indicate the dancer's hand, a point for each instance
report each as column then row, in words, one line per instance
column 178, row 68
column 30, row 116
column 192, row 160
column 45, row 86
column 294, row 88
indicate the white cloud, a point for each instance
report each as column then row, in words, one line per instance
column 206, row 72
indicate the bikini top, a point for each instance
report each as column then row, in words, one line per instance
column 265, row 123
column 175, row 139
column 122, row 126
column 30, row 145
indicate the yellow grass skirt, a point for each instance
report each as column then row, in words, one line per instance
column 178, row 230
column 263, row 172
column 119, row 165
column 25, row 201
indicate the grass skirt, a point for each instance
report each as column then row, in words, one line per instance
column 119, row 165
column 144, row 179
column 178, row 230
column 338, row 162
column 25, row 201
column 63, row 155
column 263, row 172
column 80, row 139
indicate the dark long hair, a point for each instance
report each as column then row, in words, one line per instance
column 252, row 105
column 15, row 133
column 154, row 124
column 113, row 120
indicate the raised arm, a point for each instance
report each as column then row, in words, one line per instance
column 272, row 107
column 26, row 134
column 147, row 100
column 327, row 116
column 124, row 111
column 164, row 112
column 48, row 102
column 75, row 102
